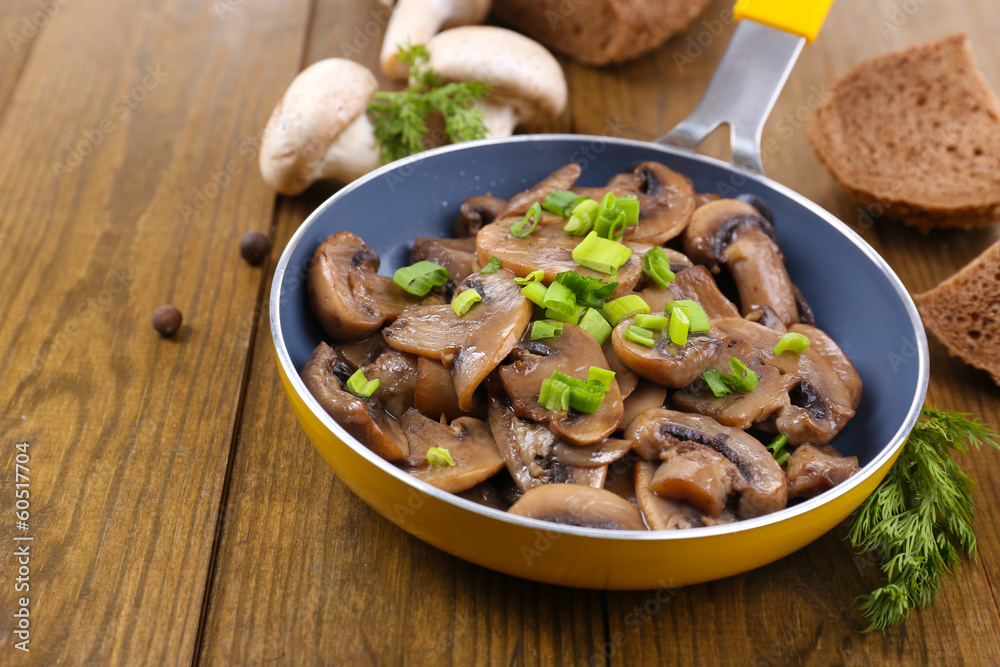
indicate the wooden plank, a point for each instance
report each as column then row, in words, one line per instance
column 22, row 23
column 127, row 183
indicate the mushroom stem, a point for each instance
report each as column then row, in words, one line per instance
column 416, row 21
column 499, row 119
column 354, row 153
column 760, row 275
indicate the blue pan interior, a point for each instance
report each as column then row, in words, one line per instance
column 856, row 298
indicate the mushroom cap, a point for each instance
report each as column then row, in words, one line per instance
column 578, row 505
column 320, row 103
column 715, row 225
column 522, row 72
column 468, row 441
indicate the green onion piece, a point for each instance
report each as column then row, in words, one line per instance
column 492, row 266
column 535, row 293
column 560, row 299
column 421, row 278
column 589, row 291
column 656, row 265
column 629, row 205
column 777, row 449
column 584, row 395
column 581, row 221
column 602, row 375
column 611, row 225
column 562, row 202
column 638, row 335
column 532, row 277
column 439, row 456
column 694, row 311
column 568, row 318
column 542, row 329
column 534, row 214
column 595, row 324
column 554, row 395
column 742, row 379
column 361, row 386
column 622, row 307
column 462, row 302
column 714, row 380
column 651, row 321
column 680, row 324
column 795, row 342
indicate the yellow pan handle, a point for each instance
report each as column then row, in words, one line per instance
column 799, row 17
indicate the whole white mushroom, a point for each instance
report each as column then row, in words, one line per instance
column 416, row 21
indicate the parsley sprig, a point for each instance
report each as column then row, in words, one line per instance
column 400, row 118
column 919, row 519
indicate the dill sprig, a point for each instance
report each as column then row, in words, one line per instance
column 400, row 118
column 919, row 519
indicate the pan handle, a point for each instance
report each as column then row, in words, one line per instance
column 750, row 76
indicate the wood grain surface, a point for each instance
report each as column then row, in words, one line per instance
column 180, row 515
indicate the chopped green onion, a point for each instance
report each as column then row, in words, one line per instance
column 602, row 375
column 589, row 291
column 462, row 302
column 611, row 225
column 599, row 254
column 534, row 214
column 439, row 456
column 554, row 395
column 361, row 386
column 742, row 379
column 567, row 317
column 562, row 392
column 714, row 380
column 595, row 324
column 492, row 266
column 421, row 278
column 629, row 205
column 680, row 324
column 535, row 293
column 651, row 321
column 777, row 449
column 532, row 277
column 795, row 342
column 581, row 221
column 562, row 202
column 542, row 329
column 694, row 311
column 560, row 299
column 638, row 335
column 622, row 307
column 656, row 265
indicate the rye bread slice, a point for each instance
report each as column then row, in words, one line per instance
column 963, row 312
column 915, row 136
column 599, row 32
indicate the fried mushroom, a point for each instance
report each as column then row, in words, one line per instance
column 576, row 505
column 468, row 442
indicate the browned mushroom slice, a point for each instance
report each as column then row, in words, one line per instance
column 434, row 394
column 812, row 471
column 363, row 352
column 561, row 179
column 347, row 295
column 548, row 249
column 656, row 431
column 668, row 364
column 621, row 478
column 600, row 454
column 577, row 505
column 695, row 284
column 397, row 376
column 765, row 316
column 827, row 348
column 472, row 344
column 663, row 513
column 624, row 376
column 572, row 352
column 732, row 232
column 477, row 212
column 456, row 255
column 364, row 419
column 697, row 475
column 702, row 198
column 467, row 440
column 647, row 395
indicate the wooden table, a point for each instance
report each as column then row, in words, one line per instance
column 179, row 514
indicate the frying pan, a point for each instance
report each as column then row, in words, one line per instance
column 857, row 299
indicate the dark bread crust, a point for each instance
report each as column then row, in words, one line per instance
column 963, row 312
column 599, row 32
column 915, row 135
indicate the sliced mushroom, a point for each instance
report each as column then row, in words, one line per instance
column 467, row 440
column 473, row 344
column 577, row 505
column 626, row 379
column 702, row 198
column 656, row 431
column 666, row 201
column 666, row 363
column 477, row 212
column 347, row 295
column 363, row 352
column 663, row 513
column 397, row 375
column 827, row 348
column 562, row 178
column 434, row 394
column 456, row 255
column 812, row 471
column 698, row 475
column 765, row 316
column 572, row 352
column 696, row 284
column 600, row 454
column 647, row 395
column 621, row 478
column 364, row 419
column 732, row 232
column 487, row 495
